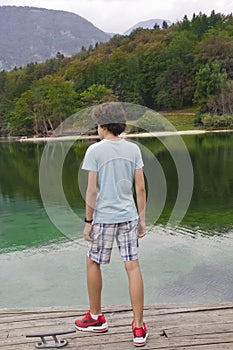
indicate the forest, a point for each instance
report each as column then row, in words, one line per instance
column 187, row 64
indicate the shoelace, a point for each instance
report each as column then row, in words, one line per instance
column 87, row 316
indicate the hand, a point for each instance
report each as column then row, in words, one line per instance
column 141, row 229
column 87, row 232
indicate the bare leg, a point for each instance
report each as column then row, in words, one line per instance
column 136, row 290
column 94, row 286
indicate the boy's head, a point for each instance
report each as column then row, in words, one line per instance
column 110, row 115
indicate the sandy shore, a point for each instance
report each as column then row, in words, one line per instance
column 145, row 134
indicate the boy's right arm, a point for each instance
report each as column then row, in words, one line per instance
column 141, row 201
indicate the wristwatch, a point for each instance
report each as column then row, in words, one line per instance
column 88, row 221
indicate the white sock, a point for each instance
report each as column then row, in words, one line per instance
column 95, row 317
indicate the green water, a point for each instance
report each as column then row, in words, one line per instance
column 42, row 266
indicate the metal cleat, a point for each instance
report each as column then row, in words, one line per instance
column 51, row 343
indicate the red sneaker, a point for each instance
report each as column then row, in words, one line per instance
column 140, row 335
column 88, row 324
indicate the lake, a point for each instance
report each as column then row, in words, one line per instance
column 43, row 261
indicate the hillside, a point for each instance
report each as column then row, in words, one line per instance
column 149, row 24
column 187, row 65
column 29, row 34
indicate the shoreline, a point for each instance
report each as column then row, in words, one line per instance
column 144, row 134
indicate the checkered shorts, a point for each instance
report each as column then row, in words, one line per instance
column 103, row 235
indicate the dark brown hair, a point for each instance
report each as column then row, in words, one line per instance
column 116, row 128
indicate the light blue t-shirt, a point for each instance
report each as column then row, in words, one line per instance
column 115, row 162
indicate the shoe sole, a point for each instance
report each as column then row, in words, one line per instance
column 101, row 329
column 139, row 343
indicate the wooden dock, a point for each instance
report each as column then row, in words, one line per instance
column 172, row 327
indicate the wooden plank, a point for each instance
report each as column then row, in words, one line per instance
column 189, row 330
column 43, row 314
column 154, row 342
column 82, row 339
column 125, row 343
column 118, row 308
column 195, row 326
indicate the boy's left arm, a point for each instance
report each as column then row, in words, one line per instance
column 141, row 201
column 91, row 194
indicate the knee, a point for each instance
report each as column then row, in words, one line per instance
column 131, row 266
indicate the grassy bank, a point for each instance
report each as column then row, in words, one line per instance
column 181, row 119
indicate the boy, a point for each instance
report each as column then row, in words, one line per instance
column 113, row 165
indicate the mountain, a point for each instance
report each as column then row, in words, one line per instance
column 147, row 24
column 30, row 34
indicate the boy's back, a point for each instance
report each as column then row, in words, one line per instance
column 115, row 162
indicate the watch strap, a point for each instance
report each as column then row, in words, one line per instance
column 88, row 221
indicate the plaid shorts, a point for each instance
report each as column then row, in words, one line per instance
column 126, row 234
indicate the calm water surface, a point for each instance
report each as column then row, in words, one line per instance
column 40, row 266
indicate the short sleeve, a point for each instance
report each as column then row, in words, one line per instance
column 139, row 162
column 89, row 162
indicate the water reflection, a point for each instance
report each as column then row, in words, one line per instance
column 176, row 268
column 192, row 263
column 24, row 222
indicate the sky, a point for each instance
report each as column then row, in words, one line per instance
column 116, row 16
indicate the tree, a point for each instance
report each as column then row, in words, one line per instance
column 95, row 94
column 223, row 103
column 174, row 84
column 3, row 121
column 42, row 108
column 200, row 24
column 59, row 55
column 216, row 46
column 216, row 19
column 185, row 24
column 164, row 25
column 55, row 100
column 21, row 118
column 156, row 26
column 209, row 81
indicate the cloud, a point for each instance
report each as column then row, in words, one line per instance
column 119, row 15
